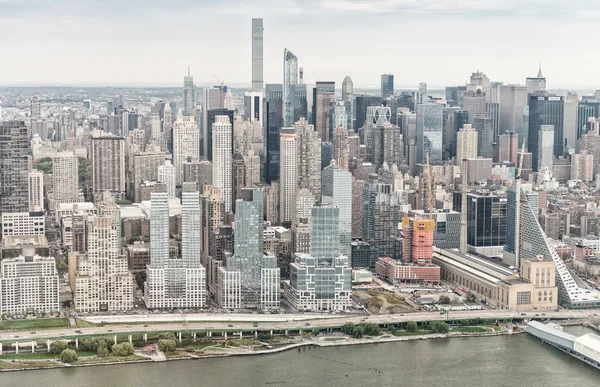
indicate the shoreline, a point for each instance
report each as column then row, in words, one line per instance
column 344, row 341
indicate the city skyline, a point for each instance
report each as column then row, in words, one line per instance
column 131, row 59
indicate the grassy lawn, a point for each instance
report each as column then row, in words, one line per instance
column 335, row 339
column 33, row 324
column 86, row 324
column 470, row 329
column 404, row 333
column 29, row 356
column 109, row 359
column 32, row 364
column 176, row 355
column 200, row 345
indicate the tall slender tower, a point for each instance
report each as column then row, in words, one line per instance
column 463, row 209
column 13, row 167
column 288, row 174
column 257, row 54
column 188, row 94
column 290, row 79
column 221, row 150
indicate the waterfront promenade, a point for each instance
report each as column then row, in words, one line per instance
column 243, row 324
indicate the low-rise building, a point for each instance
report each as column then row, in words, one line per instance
column 29, row 284
column 395, row 271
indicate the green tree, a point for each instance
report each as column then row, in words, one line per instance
column 349, row 329
column 439, row 327
column 372, row 329
column 471, row 298
column 167, row 336
column 444, row 300
column 123, row 349
column 167, row 345
column 102, row 351
column 411, row 326
column 68, row 356
column 57, row 347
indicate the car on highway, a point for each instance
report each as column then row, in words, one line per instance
column 230, row 326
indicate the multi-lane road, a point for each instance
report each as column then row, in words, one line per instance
column 256, row 322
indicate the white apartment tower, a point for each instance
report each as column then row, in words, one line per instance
column 222, row 134
column 102, row 278
column 65, row 178
column 466, row 144
column 175, row 282
column 288, row 174
column 186, row 144
column 166, row 175
column 29, row 284
column 36, row 190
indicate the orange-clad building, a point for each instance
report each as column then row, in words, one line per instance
column 417, row 244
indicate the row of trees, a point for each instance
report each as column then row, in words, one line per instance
column 358, row 331
column 445, row 300
column 102, row 346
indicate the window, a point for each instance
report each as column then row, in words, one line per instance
column 523, row 298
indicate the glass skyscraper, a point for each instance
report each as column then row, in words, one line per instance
column 430, row 125
column 545, row 109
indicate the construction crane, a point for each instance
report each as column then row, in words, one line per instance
column 429, row 194
column 218, row 80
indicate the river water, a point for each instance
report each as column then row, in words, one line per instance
column 514, row 361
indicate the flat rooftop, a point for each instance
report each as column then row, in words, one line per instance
column 477, row 266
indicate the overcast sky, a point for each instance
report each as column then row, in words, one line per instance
column 151, row 42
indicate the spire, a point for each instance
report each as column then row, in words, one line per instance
column 540, row 71
column 188, row 71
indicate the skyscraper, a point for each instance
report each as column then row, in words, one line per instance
column 513, row 99
column 36, row 191
column 337, row 190
column 485, row 137
column 323, row 97
column 535, row 84
column 13, row 167
column 545, row 109
column 430, row 124
column 362, row 104
column 186, row 144
column 250, row 278
column 274, row 122
column 108, row 163
column 466, row 144
column 211, row 100
column 508, row 146
column 248, row 244
column 257, row 54
column 188, row 94
column 545, row 148
column 340, row 147
column 381, row 216
column 35, row 113
column 102, row 280
column 166, row 175
column 347, row 89
column 387, row 85
column 65, row 179
column 178, row 281
column 290, row 79
column 321, row 280
column 309, row 157
column 288, row 174
column 222, row 134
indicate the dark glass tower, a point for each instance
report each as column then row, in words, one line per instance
column 545, row 109
column 273, row 124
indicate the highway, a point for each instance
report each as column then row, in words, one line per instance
column 247, row 322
